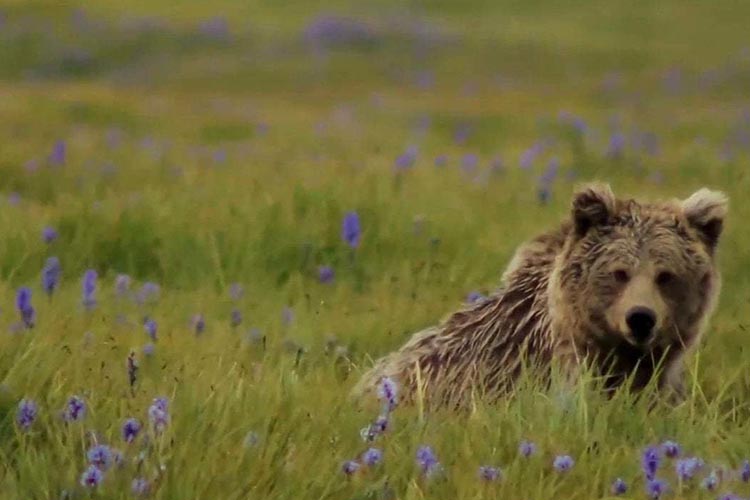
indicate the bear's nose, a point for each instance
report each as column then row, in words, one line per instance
column 641, row 321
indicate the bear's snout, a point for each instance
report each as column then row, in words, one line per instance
column 641, row 321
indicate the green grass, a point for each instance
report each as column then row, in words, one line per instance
column 143, row 114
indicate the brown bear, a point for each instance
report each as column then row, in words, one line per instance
column 623, row 288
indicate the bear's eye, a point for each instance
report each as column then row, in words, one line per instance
column 620, row 275
column 664, row 278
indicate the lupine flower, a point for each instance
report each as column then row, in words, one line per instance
column 670, row 449
column 655, row 488
column 148, row 349
column 328, row 30
column 25, row 309
column 376, row 428
column 616, row 147
column 350, row 229
column 427, row 461
column 216, row 28
column 475, row 297
column 149, row 292
column 406, row 159
column 132, row 365
column 151, row 328
column 526, row 448
column 469, row 162
column 130, row 429
column 349, row 467
column 441, row 161
column 488, row 473
column 729, row 496
column 619, row 487
column 51, row 274
column 92, row 477
column 462, row 133
column 49, row 234
column 89, row 288
column 100, row 456
column 199, row 324
column 236, row 291
column 710, row 482
column 686, row 468
column 235, row 318
column 388, row 393
column 140, row 487
column 251, row 439
column 372, row 457
column 75, row 409
column 529, row 156
column 745, row 471
column 563, row 463
column 650, row 461
column 57, row 156
column 158, row 414
column 287, row 316
column 325, row 274
column 122, row 284
column 26, row 414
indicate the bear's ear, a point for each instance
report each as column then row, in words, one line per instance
column 593, row 204
column 705, row 210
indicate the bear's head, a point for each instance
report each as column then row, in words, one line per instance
column 638, row 274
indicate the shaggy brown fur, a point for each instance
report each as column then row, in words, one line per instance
column 574, row 295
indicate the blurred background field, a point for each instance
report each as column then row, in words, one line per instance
column 196, row 145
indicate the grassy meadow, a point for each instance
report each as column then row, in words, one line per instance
column 201, row 157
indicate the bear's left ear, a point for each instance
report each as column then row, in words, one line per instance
column 593, row 205
column 705, row 210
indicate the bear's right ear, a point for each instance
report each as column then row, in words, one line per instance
column 592, row 205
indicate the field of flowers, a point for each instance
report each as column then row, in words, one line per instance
column 214, row 215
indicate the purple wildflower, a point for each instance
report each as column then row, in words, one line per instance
column 25, row 309
column 488, row 473
column 427, row 461
column 616, row 147
column 729, row 496
column 745, row 471
column 251, row 439
column 388, row 393
column 563, row 463
column 441, row 161
column 376, row 428
column 287, row 316
column 406, row 159
column 710, row 482
column 474, row 297
column 350, row 229
column 100, row 456
column 130, row 429
column 215, row 28
column 670, row 449
column 462, row 133
column 619, row 487
column 148, row 349
column 349, row 467
column 26, row 414
column 526, row 449
column 89, row 288
column 75, row 409
column 149, row 292
column 49, row 234
column 686, row 468
column 330, row 30
column 650, row 461
column 132, row 365
column 92, row 477
column 51, row 274
column 151, row 328
column 655, row 488
column 236, row 291
column 198, row 323
column 158, row 414
column 140, row 487
column 529, row 156
column 372, row 457
column 469, row 162
column 57, row 156
column 325, row 274
column 122, row 284
column 235, row 318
